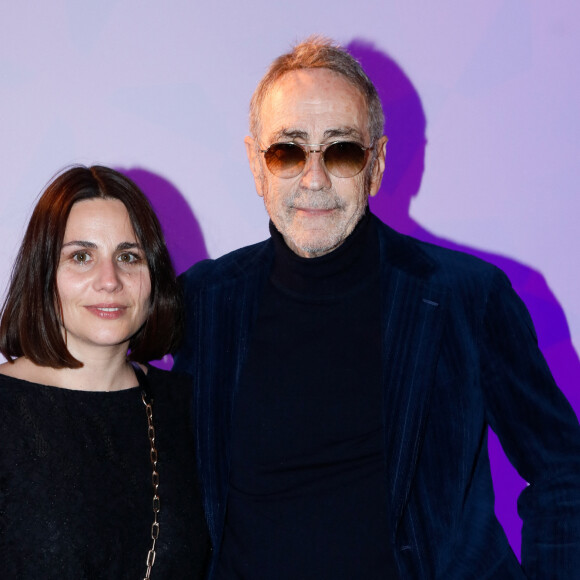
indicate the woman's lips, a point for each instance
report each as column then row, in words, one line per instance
column 107, row 311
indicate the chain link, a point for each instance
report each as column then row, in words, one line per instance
column 155, row 483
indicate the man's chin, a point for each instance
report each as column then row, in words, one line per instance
column 312, row 246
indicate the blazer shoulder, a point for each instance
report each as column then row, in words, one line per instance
column 432, row 262
column 236, row 264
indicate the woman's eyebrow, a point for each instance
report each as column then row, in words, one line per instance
column 81, row 243
column 93, row 246
column 129, row 246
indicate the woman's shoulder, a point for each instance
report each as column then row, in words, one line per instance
column 23, row 372
column 169, row 385
column 158, row 375
column 10, row 390
column 15, row 369
column 14, row 381
column 22, row 405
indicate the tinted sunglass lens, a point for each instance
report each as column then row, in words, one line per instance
column 345, row 159
column 285, row 159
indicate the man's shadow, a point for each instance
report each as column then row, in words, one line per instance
column 405, row 126
column 180, row 227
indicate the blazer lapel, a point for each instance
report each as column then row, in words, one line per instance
column 412, row 315
column 223, row 315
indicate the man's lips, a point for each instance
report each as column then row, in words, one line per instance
column 315, row 211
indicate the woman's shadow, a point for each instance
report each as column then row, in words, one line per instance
column 405, row 126
column 180, row 227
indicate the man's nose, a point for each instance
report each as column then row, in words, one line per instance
column 107, row 276
column 315, row 176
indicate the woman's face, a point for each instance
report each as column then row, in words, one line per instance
column 102, row 279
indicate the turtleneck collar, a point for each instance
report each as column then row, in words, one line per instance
column 335, row 274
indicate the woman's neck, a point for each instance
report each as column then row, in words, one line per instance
column 104, row 373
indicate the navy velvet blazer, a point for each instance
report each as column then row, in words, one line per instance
column 459, row 354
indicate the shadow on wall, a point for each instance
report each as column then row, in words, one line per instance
column 181, row 229
column 405, row 126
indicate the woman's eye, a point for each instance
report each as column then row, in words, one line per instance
column 81, row 257
column 128, row 258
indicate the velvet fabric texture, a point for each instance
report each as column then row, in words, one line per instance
column 459, row 354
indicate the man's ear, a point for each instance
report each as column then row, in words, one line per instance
column 379, row 166
column 255, row 163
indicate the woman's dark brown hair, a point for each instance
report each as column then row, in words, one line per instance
column 31, row 320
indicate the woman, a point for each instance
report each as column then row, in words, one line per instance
column 97, row 461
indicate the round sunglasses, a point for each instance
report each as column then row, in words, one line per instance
column 341, row 158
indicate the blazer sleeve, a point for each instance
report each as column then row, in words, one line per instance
column 539, row 432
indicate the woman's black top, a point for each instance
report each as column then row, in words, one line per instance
column 75, row 483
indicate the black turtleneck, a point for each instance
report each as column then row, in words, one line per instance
column 307, row 485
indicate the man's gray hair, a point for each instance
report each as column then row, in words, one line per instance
column 320, row 52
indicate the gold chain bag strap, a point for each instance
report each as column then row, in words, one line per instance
column 148, row 402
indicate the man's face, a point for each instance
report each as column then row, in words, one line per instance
column 314, row 211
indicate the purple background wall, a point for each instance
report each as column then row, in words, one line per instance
column 483, row 116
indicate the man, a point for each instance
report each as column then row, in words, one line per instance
column 345, row 375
